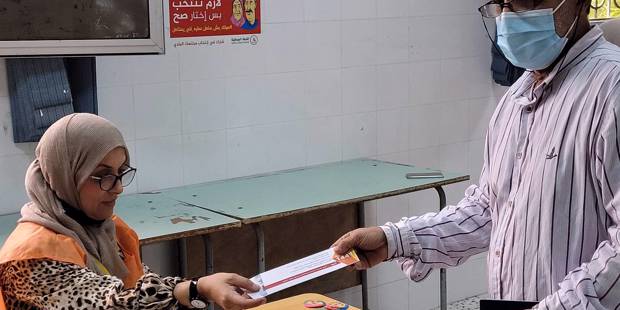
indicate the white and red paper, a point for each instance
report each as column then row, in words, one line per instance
column 300, row 271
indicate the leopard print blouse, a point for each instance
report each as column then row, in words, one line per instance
column 47, row 284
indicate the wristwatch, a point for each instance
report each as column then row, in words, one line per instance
column 194, row 298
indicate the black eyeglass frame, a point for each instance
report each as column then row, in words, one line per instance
column 486, row 8
column 501, row 5
column 117, row 178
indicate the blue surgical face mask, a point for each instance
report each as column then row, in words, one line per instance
column 529, row 39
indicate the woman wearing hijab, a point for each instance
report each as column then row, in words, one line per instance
column 70, row 252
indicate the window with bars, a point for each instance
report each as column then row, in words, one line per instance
column 603, row 9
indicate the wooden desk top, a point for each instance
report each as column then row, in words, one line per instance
column 297, row 303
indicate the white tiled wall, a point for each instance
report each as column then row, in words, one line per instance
column 400, row 80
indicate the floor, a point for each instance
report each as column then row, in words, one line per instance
column 472, row 303
column 353, row 296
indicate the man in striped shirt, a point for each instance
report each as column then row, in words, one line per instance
column 547, row 207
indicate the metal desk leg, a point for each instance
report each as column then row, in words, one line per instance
column 361, row 220
column 260, row 240
column 209, row 261
column 443, row 284
column 208, row 253
column 182, row 246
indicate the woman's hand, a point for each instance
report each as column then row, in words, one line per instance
column 227, row 290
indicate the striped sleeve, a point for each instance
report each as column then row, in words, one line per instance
column 443, row 239
column 596, row 284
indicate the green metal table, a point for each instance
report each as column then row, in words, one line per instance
column 255, row 199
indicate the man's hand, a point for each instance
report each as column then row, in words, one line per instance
column 226, row 290
column 370, row 244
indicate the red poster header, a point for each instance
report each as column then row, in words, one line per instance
column 214, row 18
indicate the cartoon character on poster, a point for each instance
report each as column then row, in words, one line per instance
column 251, row 22
column 237, row 18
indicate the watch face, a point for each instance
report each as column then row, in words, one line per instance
column 197, row 303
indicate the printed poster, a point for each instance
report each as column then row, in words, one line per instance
column 205, row 18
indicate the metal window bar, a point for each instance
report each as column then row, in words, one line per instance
column 604, row 9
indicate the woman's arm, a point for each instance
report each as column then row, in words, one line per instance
column 48, row 284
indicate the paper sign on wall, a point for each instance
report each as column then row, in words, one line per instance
column 201, row 18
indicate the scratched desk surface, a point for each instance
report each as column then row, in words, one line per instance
column 154, row 218
column 157, row 218
column 259, row 198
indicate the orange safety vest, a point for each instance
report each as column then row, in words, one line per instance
column 33, row 241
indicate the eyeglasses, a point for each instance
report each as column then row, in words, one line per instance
column 108, row 182
column 494, row 8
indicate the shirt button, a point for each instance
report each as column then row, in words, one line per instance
column 529, row 109
column 510, row 203
column 519, row 155
column 498, row 253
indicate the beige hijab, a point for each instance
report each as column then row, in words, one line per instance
column 67, row 154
